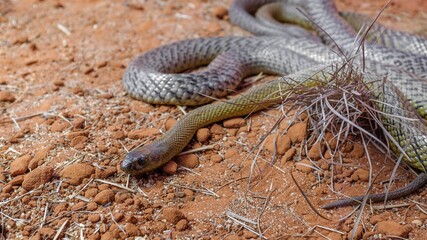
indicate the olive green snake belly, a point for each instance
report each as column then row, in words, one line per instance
column 155, row 77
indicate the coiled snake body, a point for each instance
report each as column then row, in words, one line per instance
column 155, row 77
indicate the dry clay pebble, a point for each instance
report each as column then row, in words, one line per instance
column 391, row 228
column 6, row 96
column 37, row 177
column 20, row 165
column 74, row 174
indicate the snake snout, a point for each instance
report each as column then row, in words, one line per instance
column 140, row 160
column 135, row 163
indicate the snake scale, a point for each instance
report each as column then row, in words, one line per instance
column 288, row 50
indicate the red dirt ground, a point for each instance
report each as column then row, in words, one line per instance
column 66, row 116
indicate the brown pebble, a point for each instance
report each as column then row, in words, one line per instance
column 20, row 40
column 119, row 134
column 105, row 172
column 304, row 166
column 78, row 122
column 78, row 206
column 188, row 160
column 217, row 129
column 288, row 155
column 170, row 167
column 249, row 235
column 59, row 83
column 7, row 189
column 216, row 158
column 39, row 157
column 169, row 123
column 142, row 133
column 172, row 215
column 74, row 174
column 391, row 228
column 6, row 96
column 93, row 217
column 132, row 230
column 20, row 165
column 104, row 197
column 59, row 126
column 220, row 12
column 357, row 152
column 378, row 218
column 234, row 123
column 181, row 224
column 316, row 151
column 297, row 132
column 79, row 140
column 202, row 135
column 91, row 192
column 47, row 233
column 230, row 153
column 37, row 177
column 277, row 144
column 16, row 181
column 360, row 174
column 60, row 208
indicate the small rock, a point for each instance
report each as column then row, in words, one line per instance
column 288, row 155
column 234, row 123
column 357, row 152
column 16, row 181
column 217, row 129
column 132, row 230
column 37, row 177
column 331, row 140
column 249, row 235
column 6, row 96
column 279, row 146
column 47, row 233
column 105, row 172
column 391, row 228
column 142, row 133
column 220, row 12
column 78, row 142
column 304, row 166
column 170, row 123
column 93, row 217
column 360, row 174
column 170, row 167
column 202, row 135
column 104, row 197
column 188, row 160
column 181, row 224
column 78, row 123
column 59, row 125
column 230, row 153
column 39, row 157
column 172, row 215
column 74, row 174
column 297, row 132
column 216, row 158
column 91, row 192
column 316, row 151
column 20, row 165
column 119, row 134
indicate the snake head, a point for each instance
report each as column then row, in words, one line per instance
column 140, row 160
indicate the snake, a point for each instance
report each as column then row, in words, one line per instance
column 302, row 58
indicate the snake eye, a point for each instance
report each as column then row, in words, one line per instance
column 133, row 162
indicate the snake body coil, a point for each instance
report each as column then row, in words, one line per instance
column 155, row 76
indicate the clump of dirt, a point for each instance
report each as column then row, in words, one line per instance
column 67, row 123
